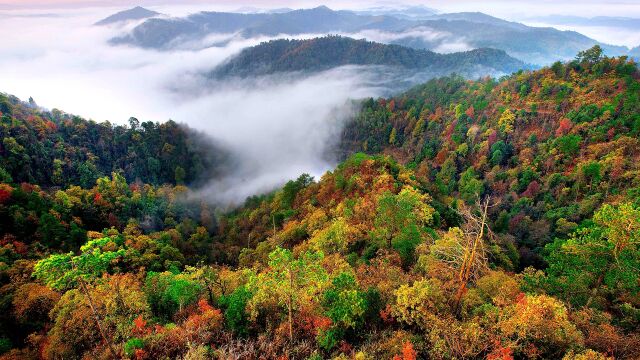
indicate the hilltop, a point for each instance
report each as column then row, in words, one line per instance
column 136, row 13
column 324, row 53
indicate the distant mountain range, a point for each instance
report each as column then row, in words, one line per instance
column 431, row 32
column 539, row 45
column 417, row 12
column 162, row 33
column 324, row 53
column 137, row 13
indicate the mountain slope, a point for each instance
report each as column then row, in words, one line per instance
column 548, row 146
column 375, row 260
column 328, row 52
column 478, row 17
column 136, row 13
column 59, row 149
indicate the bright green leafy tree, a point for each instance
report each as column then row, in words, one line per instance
column 598, row 260
column 292, row 281
column 66, row 271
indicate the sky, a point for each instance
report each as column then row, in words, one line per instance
column 511, row 8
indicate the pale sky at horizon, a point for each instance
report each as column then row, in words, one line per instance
column 511, row 9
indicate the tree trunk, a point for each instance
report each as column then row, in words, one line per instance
column 290, row 321
column 96, row 317
column 594, row 291
column 210, row 290
column 470, row 257
column 273, row 219
column 290, row 305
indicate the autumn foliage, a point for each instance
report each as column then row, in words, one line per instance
column 471, row 220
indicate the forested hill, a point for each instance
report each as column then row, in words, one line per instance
column 52, row 148
column 548, row 146
column 421, row 250
column 552, row 157
column 328, row 52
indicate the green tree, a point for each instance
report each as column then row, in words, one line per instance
column 58, row 174
column 401, row 220
column 600, row 260
column 88, row 173
column 292, row 281
column 345, row 305
column 569, row 144
column 469, row 186
column 235, row 313
column 169, row 293
column 180, row 175
column 446, row 177
column 591, row 56
column 66, row 271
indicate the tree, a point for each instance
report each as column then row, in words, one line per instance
column 118, row 301
column 598, row 260
column 569, row 144
column 393, row 137
column 65, row 271
column 420, row 303
column 180, row 175
column 464, row 251
column 169, row 293
column 590, row 56
column 446, row 177
column 506, row 121
column 235, row 314
column 345, row 305
column 401, row 220
column 32, row 303
column 469, row 186
column 539, row 326
column 88, row 173
column 292, row 281
column 591, row 172
column 291, row 189
column 58, row 173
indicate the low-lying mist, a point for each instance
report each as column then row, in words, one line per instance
column 275, row 127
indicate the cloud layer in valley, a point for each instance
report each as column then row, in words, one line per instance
column 277, row 128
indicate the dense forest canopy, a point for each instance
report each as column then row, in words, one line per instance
column 548, row 146
column 492, row 219
column 52, row 148
column 318, row 54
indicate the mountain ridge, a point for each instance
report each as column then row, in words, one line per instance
column 324, row 53
column 136, row 13
column 477, row 30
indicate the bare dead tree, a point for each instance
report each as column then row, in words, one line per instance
column 473, row 261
